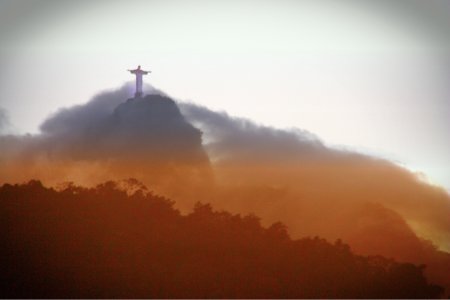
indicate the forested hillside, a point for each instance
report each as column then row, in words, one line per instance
column 120, row 240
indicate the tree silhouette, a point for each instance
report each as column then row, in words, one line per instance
column 118, row 240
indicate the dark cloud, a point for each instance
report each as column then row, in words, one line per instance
column 81, row 117
column 244, row 140
column 239, row 139
column 148, row 128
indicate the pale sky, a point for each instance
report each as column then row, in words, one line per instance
column 372, row 76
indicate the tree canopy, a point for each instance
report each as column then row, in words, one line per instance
column 118, row 240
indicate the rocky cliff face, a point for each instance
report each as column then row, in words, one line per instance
column 153, row 127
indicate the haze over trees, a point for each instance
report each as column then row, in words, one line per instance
column 120, row 240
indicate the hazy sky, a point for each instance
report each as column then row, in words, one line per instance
column 369, row 75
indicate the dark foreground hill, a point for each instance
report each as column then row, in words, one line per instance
column 117, row 240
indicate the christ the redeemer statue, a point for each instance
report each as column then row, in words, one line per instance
column 138, row 72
